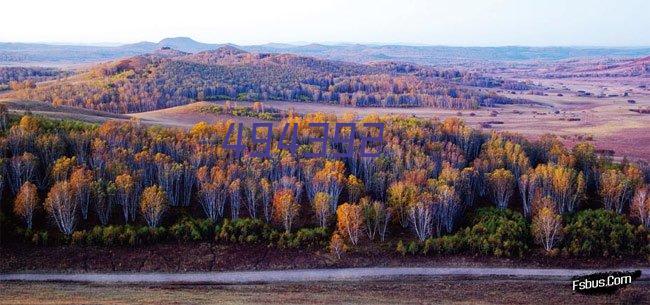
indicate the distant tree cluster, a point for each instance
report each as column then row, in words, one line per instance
column 17, row 78
column 155, row 81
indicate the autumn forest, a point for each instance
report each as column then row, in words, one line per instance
column 441, row 187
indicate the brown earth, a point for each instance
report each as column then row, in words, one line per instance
column 186, row 257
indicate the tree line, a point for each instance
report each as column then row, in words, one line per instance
column 18, row 78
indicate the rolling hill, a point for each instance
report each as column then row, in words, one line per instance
column 168, row 78
column 632, row 67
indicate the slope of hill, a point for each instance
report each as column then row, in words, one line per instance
column 168, row 78
column 59, row 112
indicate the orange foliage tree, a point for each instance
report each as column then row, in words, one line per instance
column 350, row 221
column 26, row 202
column 285, row 208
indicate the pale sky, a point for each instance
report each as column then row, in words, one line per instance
column 244, row 22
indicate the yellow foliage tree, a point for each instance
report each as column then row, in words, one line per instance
column 350, row 221
column 355, row 188
column 401, row 195
column 501, row 181
column 321, row 206
column 153, row 205
column 547, row 225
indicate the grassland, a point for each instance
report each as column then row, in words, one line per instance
column 403, row 291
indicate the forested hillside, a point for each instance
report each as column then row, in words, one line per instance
column 169, row 78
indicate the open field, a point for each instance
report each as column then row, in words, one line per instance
column 427, row 290
column 181, row 116
column 606, row 122
column 185, row 116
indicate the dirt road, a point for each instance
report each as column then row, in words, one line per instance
column 302, row 275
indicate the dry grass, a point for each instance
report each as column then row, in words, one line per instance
column 185, row 116
column 60, row 112
column 405, row 291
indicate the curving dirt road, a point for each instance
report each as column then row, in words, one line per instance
column 304, row 275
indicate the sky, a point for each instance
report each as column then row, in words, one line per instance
column 414, row 22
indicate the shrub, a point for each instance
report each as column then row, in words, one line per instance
column 78, row 237
column 337, row 245
column 40, row 238
column 252, row 230
column 448, row 244
column 497, row 232
column 401, row 249
column 126, row 235
column 642, row 235
column 244, row 230
column 493, row 231
column 31, row 236
column 310, row 238
column 599, row 233
column 189, row 229
column 412, row 247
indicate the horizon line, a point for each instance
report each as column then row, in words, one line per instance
column 324, row 43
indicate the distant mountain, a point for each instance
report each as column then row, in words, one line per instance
column 443, row 55
column 184, row 44
column 16, row 53
column 47, row 54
